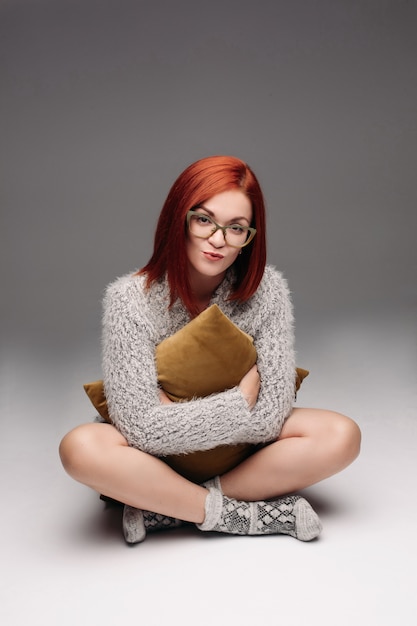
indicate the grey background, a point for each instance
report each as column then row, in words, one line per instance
column 103, row 104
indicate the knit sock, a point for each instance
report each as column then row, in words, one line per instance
column 156, row 521
column 137, row 522
column 289, row 515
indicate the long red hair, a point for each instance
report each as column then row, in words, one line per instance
column 198, row 183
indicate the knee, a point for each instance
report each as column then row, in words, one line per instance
column 75, row 451
column 346, row 437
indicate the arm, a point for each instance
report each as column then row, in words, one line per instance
column 129, row 341
column 271, row 326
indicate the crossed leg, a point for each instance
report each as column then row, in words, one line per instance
column 314, row 444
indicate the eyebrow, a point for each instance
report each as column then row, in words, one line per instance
column 234, row 219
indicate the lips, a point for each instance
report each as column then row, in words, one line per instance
column 213, row 256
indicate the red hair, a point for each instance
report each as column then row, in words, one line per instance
column 198, row 183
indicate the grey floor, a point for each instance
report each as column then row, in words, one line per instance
column 64, row 560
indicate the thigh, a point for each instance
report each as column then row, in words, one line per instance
column 304, row 422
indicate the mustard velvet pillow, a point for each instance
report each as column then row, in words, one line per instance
column 208, row 355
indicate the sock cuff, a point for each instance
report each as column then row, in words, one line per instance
column 213, row 483
column 213, row 509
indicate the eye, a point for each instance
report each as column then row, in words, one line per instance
column 237, row 229
column 204, row 220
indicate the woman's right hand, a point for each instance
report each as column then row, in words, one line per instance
column 250, row 386
column 163, row 398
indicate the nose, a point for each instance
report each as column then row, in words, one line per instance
column 218, row 238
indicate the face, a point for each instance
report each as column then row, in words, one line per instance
column 210, row 258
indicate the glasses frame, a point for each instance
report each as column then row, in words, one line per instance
column 249, row 229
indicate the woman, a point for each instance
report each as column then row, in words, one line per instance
column 209, row 248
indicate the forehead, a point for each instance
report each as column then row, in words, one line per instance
column 229, row 205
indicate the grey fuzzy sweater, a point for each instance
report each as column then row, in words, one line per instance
column 135, row 321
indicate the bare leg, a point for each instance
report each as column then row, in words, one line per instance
column 314, row 444
column 97, row 455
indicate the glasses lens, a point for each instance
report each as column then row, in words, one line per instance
column 237, row 235
column 202, row 225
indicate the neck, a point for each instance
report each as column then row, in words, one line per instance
column 203, row 288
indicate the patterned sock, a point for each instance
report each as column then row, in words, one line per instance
column 137, row 522
column 290, row 515
column 156, row 521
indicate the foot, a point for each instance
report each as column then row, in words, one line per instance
column 290, row 515
column 137, row 522
column 134, row 530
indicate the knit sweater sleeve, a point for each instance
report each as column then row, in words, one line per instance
column 130, row 379
column 130, row 336
column 272, row 327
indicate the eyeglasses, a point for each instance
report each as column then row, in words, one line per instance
column 235, row 235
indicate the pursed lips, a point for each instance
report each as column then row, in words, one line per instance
column 213, row 255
